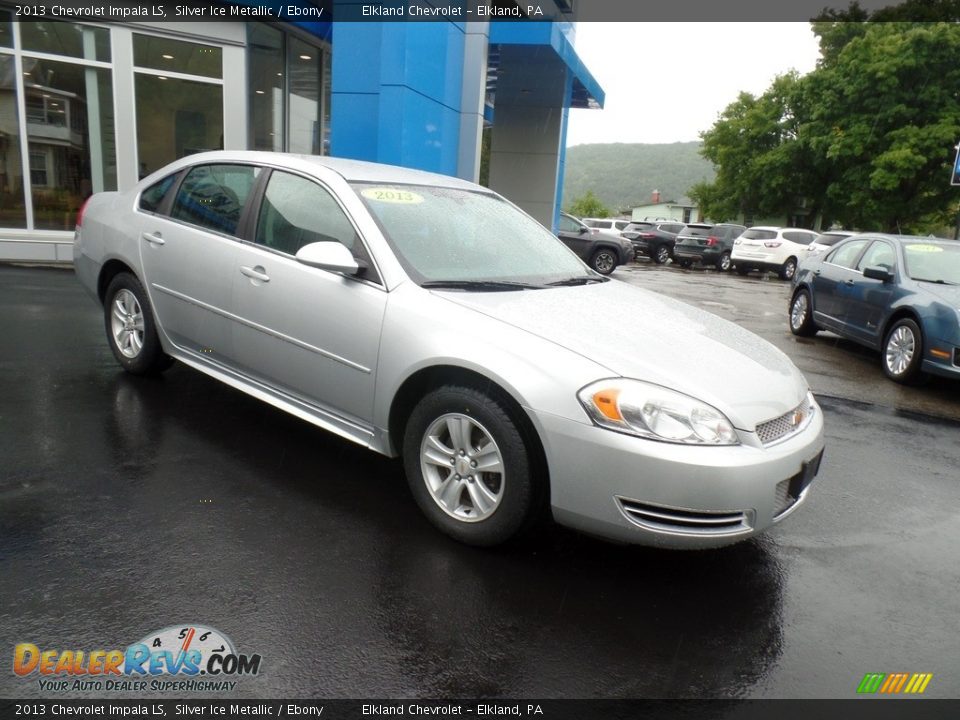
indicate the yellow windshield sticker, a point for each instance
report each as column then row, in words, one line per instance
column 924, row 248
column 392, row 195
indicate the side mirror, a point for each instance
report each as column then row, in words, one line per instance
column 583, row 230
column 330, row 256
column 878, row 273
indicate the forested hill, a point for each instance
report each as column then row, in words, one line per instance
column 623, row 175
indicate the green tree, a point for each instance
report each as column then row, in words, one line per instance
column 866, row 139
column 588, row 205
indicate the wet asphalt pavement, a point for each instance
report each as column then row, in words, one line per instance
column 128, row 505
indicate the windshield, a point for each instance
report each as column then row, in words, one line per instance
column 441, row 234
column 933, row 261
column 754, row 234
column 697, row 230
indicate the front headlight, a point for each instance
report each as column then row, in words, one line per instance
column 654, row 412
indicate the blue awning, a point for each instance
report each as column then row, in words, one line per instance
column 587, row 92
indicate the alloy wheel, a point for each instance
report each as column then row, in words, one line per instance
column 126, row 322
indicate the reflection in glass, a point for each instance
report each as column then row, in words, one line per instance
column 176, row 118
column 303, row 63
column 6, row 32
column 265, row 78
column 70, row 129
column 160, row 53
column 59, row 38
column 12, row 206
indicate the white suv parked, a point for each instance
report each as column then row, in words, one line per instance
column 771, row 248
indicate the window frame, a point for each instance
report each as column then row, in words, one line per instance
column 896, row 260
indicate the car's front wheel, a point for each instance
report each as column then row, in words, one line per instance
column 469, row 467
column 801, row 315
column 903, row 351
column 131, row 328
column 661, row 255
column 723, row 263
column 603, row 261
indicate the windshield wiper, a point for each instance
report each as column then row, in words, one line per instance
column 479, row 285
column 578, row 280
column 937, row 282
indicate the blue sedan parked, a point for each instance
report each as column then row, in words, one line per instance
column 893, row 293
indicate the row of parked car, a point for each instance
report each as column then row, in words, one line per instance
column 725, row 246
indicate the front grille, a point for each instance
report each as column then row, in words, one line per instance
column 787, row 424
column 678, row 520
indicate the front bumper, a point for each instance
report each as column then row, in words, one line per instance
column 644, row 492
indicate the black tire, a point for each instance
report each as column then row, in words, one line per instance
column 742, row 271
column 723, row 263
column 520, row 491
column 800, row 315
column 903, row 337
column 788, row 269
column 661, row 254
column 149, row 358
column 604, row 261
column 684, row 263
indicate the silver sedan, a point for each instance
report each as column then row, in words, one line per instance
column 427, row 317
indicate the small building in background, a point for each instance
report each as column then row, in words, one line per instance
column 683, row 210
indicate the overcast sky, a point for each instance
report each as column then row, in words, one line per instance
column 665, row 82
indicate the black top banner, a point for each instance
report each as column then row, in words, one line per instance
column 458, row 10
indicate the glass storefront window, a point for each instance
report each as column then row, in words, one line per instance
column 6, row 32
column 70, row 131
column 12, row 206
column 265, row 86
column 303, row 66
column 160, row 53
column 60, row 38
column 175, row 118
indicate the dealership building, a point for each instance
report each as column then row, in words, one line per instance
column 97, row 105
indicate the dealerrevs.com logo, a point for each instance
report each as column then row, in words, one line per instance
column 178, row 658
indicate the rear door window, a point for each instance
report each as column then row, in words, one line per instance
column 213, row 196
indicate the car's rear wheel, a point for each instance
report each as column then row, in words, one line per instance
column 801, row 315
column 468, row 466
column 903, row 351
column 788, row 269
column 742, row 270
column 684, row 263
column 661, row 255
column 723, row 263
column 131, row 329
column 603, row 261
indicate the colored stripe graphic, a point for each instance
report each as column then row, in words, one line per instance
column 894, row 683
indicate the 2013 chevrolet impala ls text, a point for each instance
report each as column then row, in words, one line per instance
column 427, row 317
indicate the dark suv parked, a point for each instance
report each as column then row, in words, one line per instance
column 601, row 251
column 653, row 238
column 708, row 244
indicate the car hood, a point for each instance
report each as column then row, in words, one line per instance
column 949, row 294
column 640, row 334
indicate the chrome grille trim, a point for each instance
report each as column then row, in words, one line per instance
column 681, row 520
column 790, row 423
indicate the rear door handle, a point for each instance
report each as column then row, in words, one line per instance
column 153, row 238
column 256, row 273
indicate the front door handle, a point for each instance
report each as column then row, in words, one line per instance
column 255, row 273
column 153, row 238
column 848, row 282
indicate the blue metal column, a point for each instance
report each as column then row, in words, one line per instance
column 397, row 93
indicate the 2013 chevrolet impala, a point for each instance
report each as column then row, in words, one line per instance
column 427, row 317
